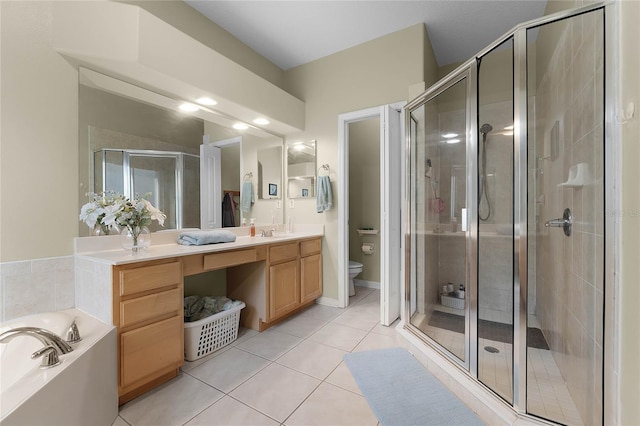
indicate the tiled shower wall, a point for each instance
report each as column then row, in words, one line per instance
column 570, row 270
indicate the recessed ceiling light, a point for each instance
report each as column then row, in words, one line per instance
column 450, row 135
column 188, row 107
column 452, row 141
column 261, row 121
column 240, row 126
column 206, row 101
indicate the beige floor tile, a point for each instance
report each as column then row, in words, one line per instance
column 339, row 336
column 331, row 405
column 229, row 412
column 276, row 391
column 270, row 344
column 312, row 358
column 190, row 365
column 343, row 378
column 361, row 293
column 300, row 326
column 380, row 341
column 173, row 403
column 119, row 422
column 321, row 312
column 229, row 370
column 359, row 316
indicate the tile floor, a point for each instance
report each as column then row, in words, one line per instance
column 291, row 374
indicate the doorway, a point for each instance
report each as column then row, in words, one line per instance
column 391, row 187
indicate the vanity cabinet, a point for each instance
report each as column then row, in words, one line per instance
column 148, row 314
column 310, row 270
column 289, row 280
column 284, row 281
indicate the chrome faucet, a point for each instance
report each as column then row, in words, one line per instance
column 268, row 233
column 45, row 336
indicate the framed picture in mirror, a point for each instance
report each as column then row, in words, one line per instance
column 273, row 189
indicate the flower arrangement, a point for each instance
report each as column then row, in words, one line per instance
column 94, row 212
column 110, row 210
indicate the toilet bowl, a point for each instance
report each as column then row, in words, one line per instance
column 354, row 269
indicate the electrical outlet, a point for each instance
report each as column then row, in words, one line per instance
column 291, row 203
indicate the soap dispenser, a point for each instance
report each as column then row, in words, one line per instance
column 252, row 224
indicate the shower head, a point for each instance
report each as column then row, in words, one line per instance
column 486, row 128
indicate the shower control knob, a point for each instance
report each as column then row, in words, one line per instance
column 564, row 222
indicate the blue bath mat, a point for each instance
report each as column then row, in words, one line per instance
column 401, row 392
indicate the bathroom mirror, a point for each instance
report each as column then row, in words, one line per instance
column 116, row 116
column 301, row 169
column 270, row 173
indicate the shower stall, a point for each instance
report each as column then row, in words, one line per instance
column 506, row 239
column 172, row 178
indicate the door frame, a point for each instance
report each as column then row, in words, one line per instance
column 388, row 182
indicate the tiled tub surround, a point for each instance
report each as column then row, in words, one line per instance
column 35, row 286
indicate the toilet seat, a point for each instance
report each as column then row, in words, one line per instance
column 354, row 265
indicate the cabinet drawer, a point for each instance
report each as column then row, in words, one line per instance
column 310, row 247
column 152, row 306
column 150, row 349
column 283, row 252
column 231, row 258
column 150, row 277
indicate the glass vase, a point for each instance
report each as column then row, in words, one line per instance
column 101, row 229
column 135, row 238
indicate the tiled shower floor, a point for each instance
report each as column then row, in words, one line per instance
column 548, row 396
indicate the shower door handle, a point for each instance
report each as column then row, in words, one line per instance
column 564, row 222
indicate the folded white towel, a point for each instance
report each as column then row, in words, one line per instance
column 324, row 195
column 200, row 238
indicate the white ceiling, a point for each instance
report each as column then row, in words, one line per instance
column 291, row 33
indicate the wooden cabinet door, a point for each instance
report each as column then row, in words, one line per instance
column 310, row 277
column 284, row 291
column 150, row 350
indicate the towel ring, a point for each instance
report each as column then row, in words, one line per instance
column 248, row 176
column 324, row 168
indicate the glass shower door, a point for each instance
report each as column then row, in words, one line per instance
column 566, row 218
column 438, row 194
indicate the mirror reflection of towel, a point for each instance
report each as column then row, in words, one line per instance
column 324, row 196
column 246, row 197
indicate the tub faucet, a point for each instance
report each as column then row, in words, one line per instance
column 45, row 336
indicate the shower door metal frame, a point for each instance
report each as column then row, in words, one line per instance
column 127, row 177
column 520, row 203
column 468, row 72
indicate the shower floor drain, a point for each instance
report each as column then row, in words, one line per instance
column 492, row 349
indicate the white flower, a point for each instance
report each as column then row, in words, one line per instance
column 90, row 212
column 155, row 213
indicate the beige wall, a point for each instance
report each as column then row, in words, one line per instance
column 39, row 137
column 364, row 194
column 351, row 80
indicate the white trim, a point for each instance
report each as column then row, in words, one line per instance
column 343, row 198
column 366, row 283
column 328, row 301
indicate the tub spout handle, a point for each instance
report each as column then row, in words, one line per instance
column 49, row 356
column 73, row 335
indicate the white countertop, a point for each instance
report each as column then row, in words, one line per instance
column 107, row 249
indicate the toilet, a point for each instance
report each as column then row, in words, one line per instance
column 354, row 269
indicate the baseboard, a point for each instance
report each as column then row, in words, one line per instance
column 328, row 301
column 365, row 283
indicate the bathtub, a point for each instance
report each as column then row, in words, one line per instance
column 81, row 390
